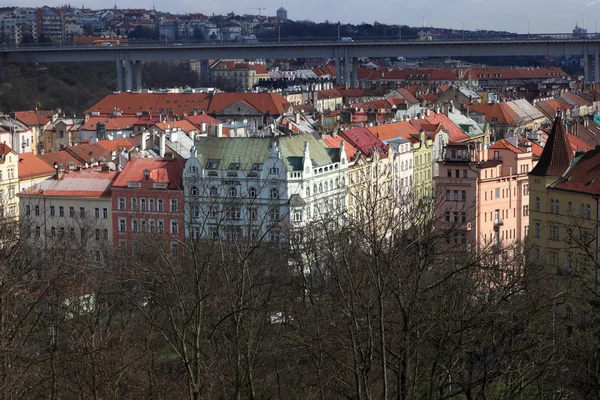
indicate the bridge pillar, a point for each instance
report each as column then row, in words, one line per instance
column 355, row 72
column 346, row 68
column 338, row 68
column 120, row 81
column 587, row 65
column 596, row 64
column 204, row 73
column 137, row 68
column 128, row 75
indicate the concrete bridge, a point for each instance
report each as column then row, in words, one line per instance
column 129, row 56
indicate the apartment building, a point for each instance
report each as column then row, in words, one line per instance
column 262, row 188
column 74, row 207
column 147, row 204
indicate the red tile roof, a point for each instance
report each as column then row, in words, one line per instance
column 34, row 117
column 477, row 74
column 401, row 129
column 198, row 119
column 334, row 143
column 111, row 123
column 266, row 103
column 497, row 113
column 584, row 175
column 132, row 103
column 183, row 125
column 505, row 145
column 160, row 171
column 364, row 141
column 32, row 166
column 456, row 134
column 60, row 157
column 557, row 154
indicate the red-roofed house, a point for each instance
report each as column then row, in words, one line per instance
column 32, row 169
column 106, row 127
column 147, row 200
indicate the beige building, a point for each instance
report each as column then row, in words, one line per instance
column 9, row 181
column 74, row 207
column 238, row 74
column 62, row 132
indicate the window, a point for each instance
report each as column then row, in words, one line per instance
column 455, row 216
column 497, row 193
column 174, row 248
column 61, row 211
column 588, row 212
column 525, row 211
column 195, row 211
column 554, row 232
column 96, row 213
column 570, row 235
column 298, row 215
column 27, row 209
column 235, row 213
column 463, row 217
column 274, row 235
column 160, row 226
column 52, row 211
column 537, row 204
column 464, row 173
column 38, row 231
column 464, row 195
column 232, row 191
column 274, row 193
column 569, row 208
column 82, row 233
column 457, row 173
column 134, row 225
column 173, row 205
column 105, row 234
column 557, row 206
column 195, row 191
column 121, row 205
column 143, row 224
column 82, row 212
column 253, row 214
column 143, row 204
column 134, row 203
column 274, row 171
column 551, row 206
column 105, row 213
column 447, row 195
column 174, row 228
column 150, row 204
column 159, row 205
column 525, row 190
column 447, row 216
column 538, row 230
column 582, row 210
column 456, row 195
column 37, row 210
column 252, row 192
column 61, row 231
column 97, row 234
column 214, row 192
column 449, row 173
column 53, row 232
column 274, row 214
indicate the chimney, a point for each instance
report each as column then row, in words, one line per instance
column 162, row 145
column 173, row 136
column 203, row 127
column 219, row 130
column 297, row 115
column 143, row 140
column 60, row 169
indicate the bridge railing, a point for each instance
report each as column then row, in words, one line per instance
column 455, row 37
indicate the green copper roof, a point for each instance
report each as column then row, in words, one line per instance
column 245, row 151
column 292, row 151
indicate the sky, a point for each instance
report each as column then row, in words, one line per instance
column 548, row 16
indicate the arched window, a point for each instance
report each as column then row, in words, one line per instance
column 214, row 192
column 588, row 212
column 307, row 192
column 274, row 193
column 569, row 208
column 195, row 191
column 551, row 206
column 232, row 191
column 320, row 188
column 252, row 192
column 581, row 210
column 326, row 186
column 537, row 204
column 557, row 207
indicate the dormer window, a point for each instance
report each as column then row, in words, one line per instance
column 146, row 175
column 234, row 166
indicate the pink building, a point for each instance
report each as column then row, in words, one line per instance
column 147, row 199
column 483, row 196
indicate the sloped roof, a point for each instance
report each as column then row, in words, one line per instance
column 456, row 134
column 557, row 154
column 160, row 171
column 476, row 74
column 266, row 103
column 60, row 157
column 292, row 151
column 86, row 183
column 505, row 145
column 132, row 103
column 401, row 129
column 584, row 174
column 202, row 118
column 111, row 123
column 334, row 143
column 365, row 141
column 245, row 151
column 34, row 117
column 32, row 166
column 497, row 113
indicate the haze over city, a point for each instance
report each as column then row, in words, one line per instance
column 539, row 16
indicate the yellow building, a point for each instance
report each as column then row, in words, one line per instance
column 9, row 181
column 563, row 223
column 423, row 167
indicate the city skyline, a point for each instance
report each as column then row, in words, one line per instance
column 534, row 16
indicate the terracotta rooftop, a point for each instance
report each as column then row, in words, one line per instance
column 111, row 123
column 32, row 166
column 86, row 183
column 160, row 171
column 34, row 117
column 557, row 154
column 584, row 175
column 364, row 141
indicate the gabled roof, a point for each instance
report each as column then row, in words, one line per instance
column 505, row 145
column 266, row 103
column 401, row 129
column 334, row 143
column 497, row 113
column 456, row 134
column 60, row 157
column 111, row 123
column 557, row 154
column 154, row 103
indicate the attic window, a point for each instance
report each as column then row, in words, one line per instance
column 212, row 164
column 591, row 181
column 234, row 166
column 256, row 167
